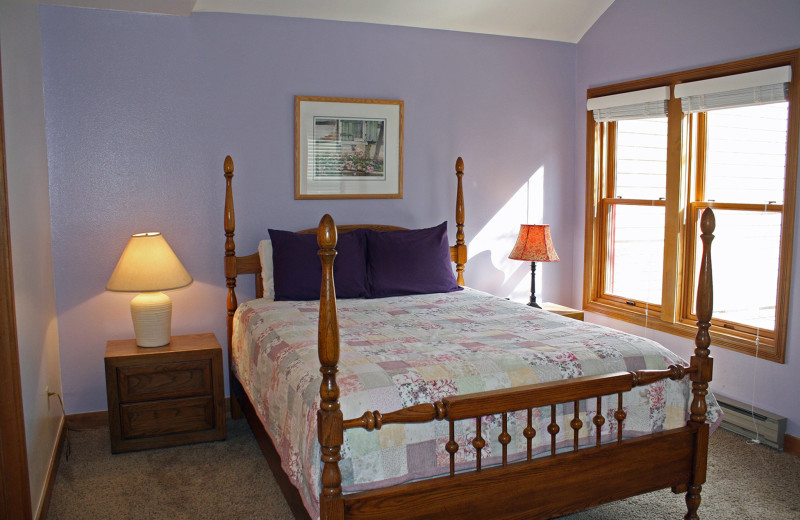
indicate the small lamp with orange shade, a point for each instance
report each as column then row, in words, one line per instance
column 534, row 244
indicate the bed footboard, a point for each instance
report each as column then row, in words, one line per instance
column 566, row 480
column 543, row 488
column 533, row 478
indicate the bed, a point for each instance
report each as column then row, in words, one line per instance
column 453, row 403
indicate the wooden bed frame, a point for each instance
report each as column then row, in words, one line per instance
column 540, row 487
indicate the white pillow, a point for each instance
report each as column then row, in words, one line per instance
column 265, row 255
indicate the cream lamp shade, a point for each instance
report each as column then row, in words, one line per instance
column 148, row 266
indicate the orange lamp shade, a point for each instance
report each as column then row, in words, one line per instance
column 534, row 244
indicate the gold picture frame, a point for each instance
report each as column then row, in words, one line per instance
column 348, row 148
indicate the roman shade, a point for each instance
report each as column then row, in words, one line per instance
column 750, row 88
column 639, row 104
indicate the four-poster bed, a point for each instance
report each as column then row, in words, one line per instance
column 564, row 443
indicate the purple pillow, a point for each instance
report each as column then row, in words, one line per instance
column 409, row 261
column 298, row 271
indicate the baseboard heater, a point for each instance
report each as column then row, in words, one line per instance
column 752, row 423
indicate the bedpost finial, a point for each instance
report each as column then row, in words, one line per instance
column 707, row 221
column 326, row 233
column 228, row 164
column 459, row 164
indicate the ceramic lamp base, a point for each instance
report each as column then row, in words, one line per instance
column 152, row 316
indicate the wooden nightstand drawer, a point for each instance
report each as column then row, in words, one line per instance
column 166, row 417
column 182, row 379
column 165, row 396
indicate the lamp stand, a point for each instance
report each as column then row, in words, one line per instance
column 152, row 316
column 533, row 303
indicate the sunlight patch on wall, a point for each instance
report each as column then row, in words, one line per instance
column 497, row 238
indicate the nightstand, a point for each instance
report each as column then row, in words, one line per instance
column 563, row 311
column 165, row 396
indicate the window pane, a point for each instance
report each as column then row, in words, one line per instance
column 636, row 251
column 745, row 256
column 641, row 167
column 746, row 154
column 372, row 130
column 352, row 130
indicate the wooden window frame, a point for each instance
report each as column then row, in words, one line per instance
column 607, row 202
column 685, row 131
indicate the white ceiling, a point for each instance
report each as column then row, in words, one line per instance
column 560, row 20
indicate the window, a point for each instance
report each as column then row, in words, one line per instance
column 744, row 174
column 659, row 152
column 634, row 212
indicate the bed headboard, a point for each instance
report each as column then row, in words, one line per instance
column 251, row 264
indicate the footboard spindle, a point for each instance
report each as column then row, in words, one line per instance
column 529, row 432
column 598, row 420
column 505, row 438
column 576, row 425
column 620, row 416
column 553, row 429
column 478, row 442
column 452, row 447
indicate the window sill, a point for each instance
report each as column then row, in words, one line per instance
column 730, row 340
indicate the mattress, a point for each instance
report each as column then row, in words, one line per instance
column 401, row 351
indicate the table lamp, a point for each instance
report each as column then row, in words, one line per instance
column 148, row 266
column 534, row 244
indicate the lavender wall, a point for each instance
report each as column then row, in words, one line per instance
column 641, row 38
column 142, row 109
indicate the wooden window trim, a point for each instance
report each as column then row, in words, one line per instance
column 607, row 190
column 688, row 303
column 684, row 131
column 603, row 294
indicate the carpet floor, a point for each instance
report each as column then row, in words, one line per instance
column 231, row 480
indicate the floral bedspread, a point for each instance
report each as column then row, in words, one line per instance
column 397, row 352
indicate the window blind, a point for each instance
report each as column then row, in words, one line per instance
column 750, row 88
column 640, row 104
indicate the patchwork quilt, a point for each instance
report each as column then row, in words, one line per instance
column 401, row 351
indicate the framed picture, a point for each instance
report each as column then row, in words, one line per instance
column 347, row 148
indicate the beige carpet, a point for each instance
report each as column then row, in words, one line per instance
column 231, row 480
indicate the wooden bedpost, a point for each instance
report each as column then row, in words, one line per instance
column 703, row 366
column 330, row 428
column 230, row 277
column 460, row 249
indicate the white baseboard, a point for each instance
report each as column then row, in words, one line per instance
column 50, row 480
